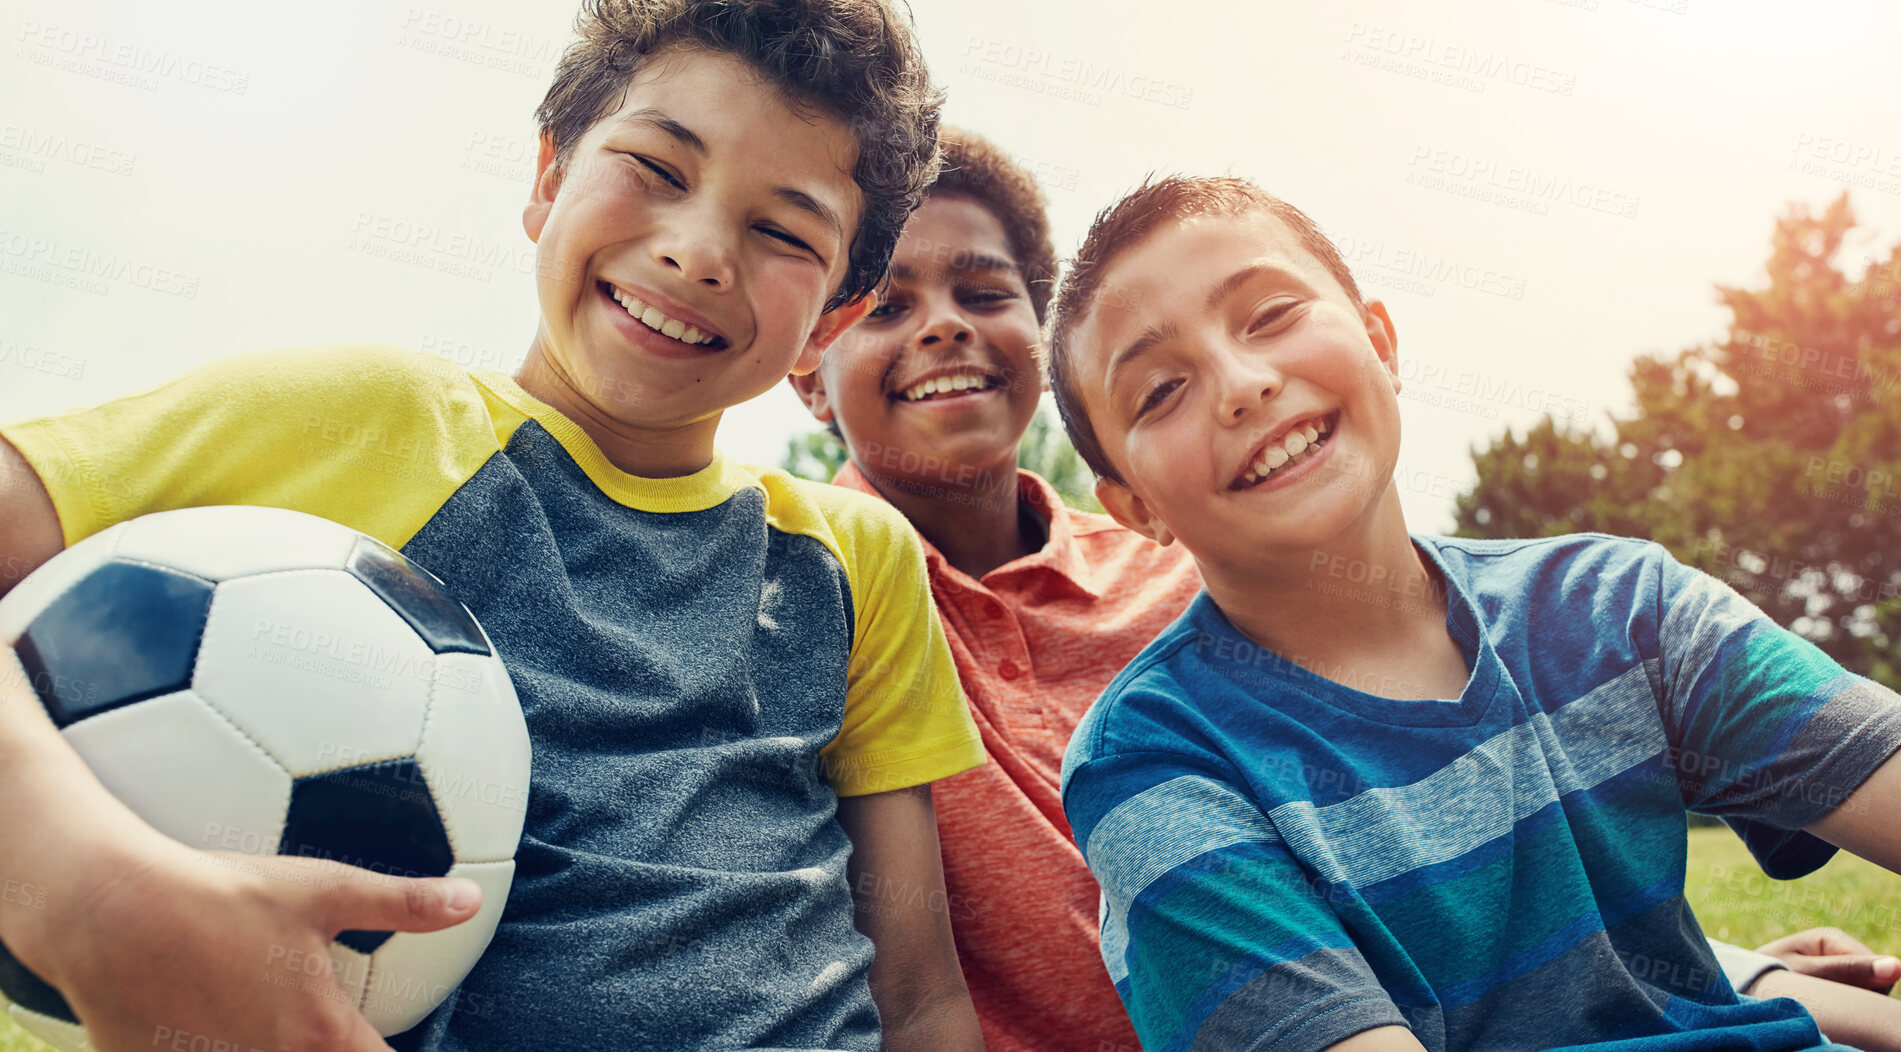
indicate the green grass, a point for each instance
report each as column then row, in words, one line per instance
column 1736, row 903
column 13, row 1039
column 1732, row 899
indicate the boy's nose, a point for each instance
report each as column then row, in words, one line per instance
column 700, row 267
column 697, row 253
column 945, row 328
column 1245, row 389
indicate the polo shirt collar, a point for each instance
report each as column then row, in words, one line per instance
column 1061, row 555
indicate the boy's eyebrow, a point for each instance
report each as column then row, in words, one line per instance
column 655, row 119
column 962, row 262
column 805, row 202
column 799, row 199
column 1167, row 330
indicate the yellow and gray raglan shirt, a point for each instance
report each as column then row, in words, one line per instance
column 705, row 663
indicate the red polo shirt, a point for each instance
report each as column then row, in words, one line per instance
column 1035, row 641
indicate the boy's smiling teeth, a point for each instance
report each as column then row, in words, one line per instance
column 947, row 385
column 1296, row 445
column 660, row 323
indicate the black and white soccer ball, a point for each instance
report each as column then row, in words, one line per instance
column 270, row 682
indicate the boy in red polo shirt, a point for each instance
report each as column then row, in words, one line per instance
column 1044, row 604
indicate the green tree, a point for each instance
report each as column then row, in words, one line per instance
column 1045, row 449
column 817, row 455
column 1771, row 459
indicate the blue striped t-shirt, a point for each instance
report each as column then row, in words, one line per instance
column 1287, row 861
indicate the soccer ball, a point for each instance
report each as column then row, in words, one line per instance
column 269, row 682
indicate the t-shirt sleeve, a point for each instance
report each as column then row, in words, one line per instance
column 906, row 722
column 1765, row 727
column 1214, row 934
column 373, row 438
column 1743, row 967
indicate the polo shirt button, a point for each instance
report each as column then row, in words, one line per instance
column 1009, row 670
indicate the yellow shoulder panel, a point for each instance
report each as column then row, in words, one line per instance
column 373, row 437
column 906, row 722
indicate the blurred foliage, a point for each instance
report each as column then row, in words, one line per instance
column 1044, row 450
column 1771, row 459
column 815, row 455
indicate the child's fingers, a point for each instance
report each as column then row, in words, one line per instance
column 351, row 899
column 1868, row 971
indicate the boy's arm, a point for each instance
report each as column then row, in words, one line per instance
column 1868, row 823
column 143, row 935
column 897, row 882
column 1858, row 1018
column 29, row 528
column 1380, row 1039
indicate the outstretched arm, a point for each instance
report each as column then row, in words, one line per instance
column 1868, row 823
column 897, row 882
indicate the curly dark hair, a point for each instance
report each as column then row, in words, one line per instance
column 976, row 170
column 1122, row 225
column 856, row 61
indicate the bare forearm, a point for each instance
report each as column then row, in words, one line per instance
column 949, row 1022
column 57, row 822
column 1860, row 1018
column 897, row 883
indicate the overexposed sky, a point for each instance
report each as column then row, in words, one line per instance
column 1539, row 189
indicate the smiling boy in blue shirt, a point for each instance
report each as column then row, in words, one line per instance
column 1382, row 791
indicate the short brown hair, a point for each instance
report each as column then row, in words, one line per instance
column 975, row 169
column 1124, row 224
column 856, row 61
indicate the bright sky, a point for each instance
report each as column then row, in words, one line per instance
column 1539, row 189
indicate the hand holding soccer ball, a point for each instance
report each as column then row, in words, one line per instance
column 277, row 685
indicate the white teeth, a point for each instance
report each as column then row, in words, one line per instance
column 653, row 319
column 942, row 385
column 1298, row 443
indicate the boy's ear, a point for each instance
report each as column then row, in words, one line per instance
column 831, row 325
column 1379, row 329
column 1132, row 512
column 541, row 196
column 810, row 387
